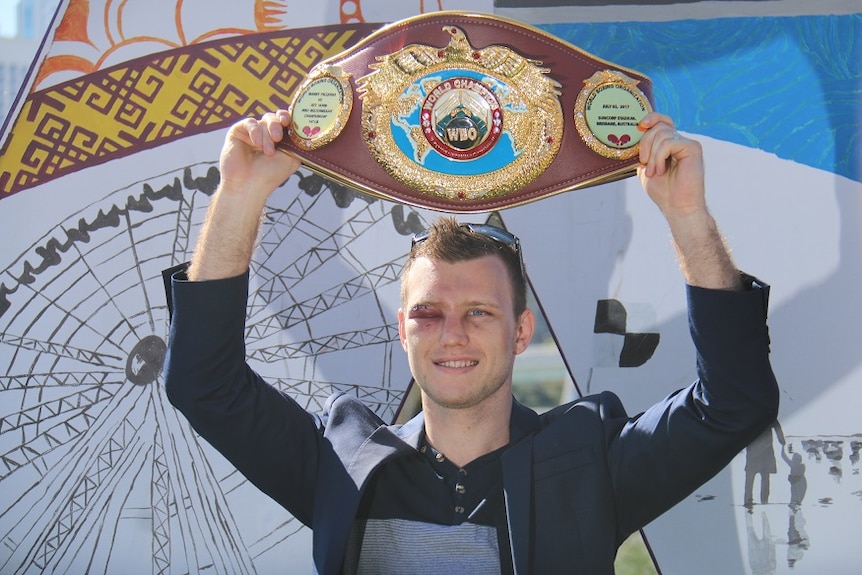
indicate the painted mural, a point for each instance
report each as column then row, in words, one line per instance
column 109, row 159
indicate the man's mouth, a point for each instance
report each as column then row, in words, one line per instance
column 457, row 364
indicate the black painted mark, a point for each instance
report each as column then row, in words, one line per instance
column 638, row 348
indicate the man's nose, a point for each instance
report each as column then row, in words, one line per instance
column 454, row 331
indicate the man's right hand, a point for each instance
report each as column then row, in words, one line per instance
column 251, row 169
column 249, row 159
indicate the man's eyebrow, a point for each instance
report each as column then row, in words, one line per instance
column 483, row 304
column 468, row 304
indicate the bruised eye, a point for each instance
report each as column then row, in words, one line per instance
column 421, row 311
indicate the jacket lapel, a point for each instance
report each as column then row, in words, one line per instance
column 517, row 462
column 517, row 484
column 385, row 443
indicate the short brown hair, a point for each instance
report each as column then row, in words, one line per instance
column 450, row 241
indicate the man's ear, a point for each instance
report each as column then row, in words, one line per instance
column 524, row 331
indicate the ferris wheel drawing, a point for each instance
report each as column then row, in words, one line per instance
column 96, row 467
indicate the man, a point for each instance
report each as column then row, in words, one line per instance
column 476, row 483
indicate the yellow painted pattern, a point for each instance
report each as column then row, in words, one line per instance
column 161, row 98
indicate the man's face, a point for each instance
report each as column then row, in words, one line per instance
column 459, row 331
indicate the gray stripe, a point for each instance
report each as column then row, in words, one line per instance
column 399, row 546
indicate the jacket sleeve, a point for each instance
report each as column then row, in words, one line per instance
column 660, row 456
column 264, row 433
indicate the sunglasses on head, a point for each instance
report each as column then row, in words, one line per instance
column 497, row 234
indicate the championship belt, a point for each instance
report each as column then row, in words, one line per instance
column 467, row 113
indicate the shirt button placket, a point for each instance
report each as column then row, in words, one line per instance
column 460, row 490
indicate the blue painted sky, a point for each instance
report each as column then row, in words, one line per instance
column 791, row 86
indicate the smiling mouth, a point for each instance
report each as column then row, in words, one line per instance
column 457, row 364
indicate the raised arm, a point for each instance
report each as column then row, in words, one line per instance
column 672, row 174
column 251, row 169
column 264, row 433
column 663, row 454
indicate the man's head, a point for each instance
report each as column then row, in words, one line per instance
column 463, row 315
column 448, row 241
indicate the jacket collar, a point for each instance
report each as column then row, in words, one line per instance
column 517, row 463
column 412, row 432
column 523, row 421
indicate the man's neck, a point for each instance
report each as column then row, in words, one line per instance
column 463, row 435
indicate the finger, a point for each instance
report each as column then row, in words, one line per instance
column 284, row 116
column 286, row 119
column 652, row 124
column 653, row 119
column 654, row 150
column 271, row 132
column 247, row 131
column 667, row 143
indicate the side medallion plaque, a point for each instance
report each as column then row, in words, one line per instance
column 321, row 107
column 607, row 113
column 466, row 112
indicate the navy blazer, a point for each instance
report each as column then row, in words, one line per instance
column 582, row 477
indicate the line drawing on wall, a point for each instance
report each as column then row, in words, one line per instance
column 94, row 459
